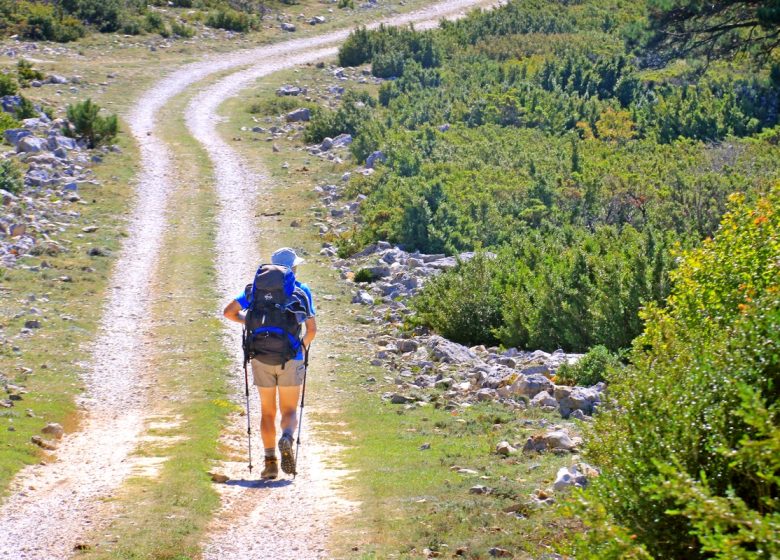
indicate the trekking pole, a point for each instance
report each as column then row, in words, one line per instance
column 248, row 423
column 303, row 399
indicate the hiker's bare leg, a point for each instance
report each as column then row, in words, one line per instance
column 268, row 416
column 288, row 403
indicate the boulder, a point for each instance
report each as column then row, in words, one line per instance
column 54, row 429
column 299, row 115
column 56, row 79
column 568, row 478
column 363, row 298
column 407, row 345
column 342, row 140
column 532, row 385
column 14, row 135
column 450, row 352
column 31, row 144
column 505, row 449
column 288, row 27
column 286, row 90
column 57, row 141
column 375, row 157
column 544, row 399
column 558, row 439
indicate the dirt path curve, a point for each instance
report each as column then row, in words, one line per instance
column 51, row 506
column 281, row 520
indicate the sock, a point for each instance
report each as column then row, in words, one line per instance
column 270, row 452
column 288, row 432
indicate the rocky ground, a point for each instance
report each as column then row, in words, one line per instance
column 54, row 165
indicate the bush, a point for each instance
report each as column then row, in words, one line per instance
column 106, row 15
column 357, row 49
column 43, row 25
column 689, row 441
column 592, row 368
column 8, row 85
column 7, row 121
column 182, row 30
column 364, row 275
column 26, row 110
column 154, row 23
column 133, row 26
column 11, row 178
column 463, row 305
column 349, row 118
column 87, row 123
column 231, row 20
column 26, row 73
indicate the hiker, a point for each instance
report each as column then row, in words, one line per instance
column 277, row 350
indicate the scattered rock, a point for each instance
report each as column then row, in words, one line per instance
column 505, row 449
column 43, row 444
column 219, row 478
column 53, row 429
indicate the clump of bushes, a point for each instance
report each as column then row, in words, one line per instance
column 26, row 73
column 8, row 85
column 688, row 442
column 592, row 368
column 26, row 110
column 364, row 275
column 11, row 178
column 354, row 111
column 7, row 121
column 86, row 122
column 231, row 20
column 42, row 24
column 182, row 30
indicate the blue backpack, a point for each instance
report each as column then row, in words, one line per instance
column 277, row 307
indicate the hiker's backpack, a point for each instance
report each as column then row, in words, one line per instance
column 276, row 310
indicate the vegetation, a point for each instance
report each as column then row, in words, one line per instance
column 25, row 72
column 689, row 447
column 592, row 368
column 8, row 85
column 532, row 132
column 232, row 20
column 11, row 179
column 85, row 122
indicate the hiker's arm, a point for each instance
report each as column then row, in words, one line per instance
column 311, row 331
column 233, row 312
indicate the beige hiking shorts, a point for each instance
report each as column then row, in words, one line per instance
column 271, row 376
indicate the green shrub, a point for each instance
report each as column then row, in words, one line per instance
column 11, row 178
column 231, row 20
column 590, row 369
column 154, row 22
column 8, row 85
column 42, row 24
column 26, row 110
column 87, row 123
column 463, row 305
column 106, row 15
column 364, row 275
column 344, row 4
column 182, row 30
column 132, row 26
column 355, row 110
column 689, row 441
column 7, row 121
column 357, row 49
column 26, row 73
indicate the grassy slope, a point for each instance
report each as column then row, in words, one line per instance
column 411, row 499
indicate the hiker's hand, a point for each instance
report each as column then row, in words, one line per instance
column 233, row 312
column 311, row 331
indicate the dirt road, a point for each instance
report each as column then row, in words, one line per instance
column 65, row 497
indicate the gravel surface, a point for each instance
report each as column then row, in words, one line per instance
column 51, row 506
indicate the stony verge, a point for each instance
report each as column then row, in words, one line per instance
column 54, row 166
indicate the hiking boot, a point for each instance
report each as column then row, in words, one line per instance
column 286, row 449
column 271, row 469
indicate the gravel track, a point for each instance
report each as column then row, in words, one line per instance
column 51, row 506
column 276, row 520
